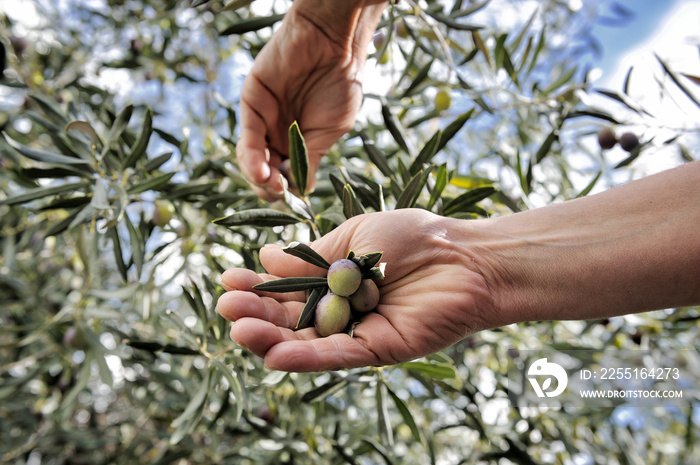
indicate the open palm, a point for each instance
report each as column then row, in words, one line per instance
column 432, row 296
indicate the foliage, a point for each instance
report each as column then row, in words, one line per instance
column 111, row 347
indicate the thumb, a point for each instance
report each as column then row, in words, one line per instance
column 333, row 246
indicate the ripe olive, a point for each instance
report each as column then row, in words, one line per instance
column 366, row 298
column 344, row 277
column 400, row 29
column 332, row 314
column 628, row 141
column 606, row 138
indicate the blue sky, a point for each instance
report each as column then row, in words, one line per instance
column 621, row 35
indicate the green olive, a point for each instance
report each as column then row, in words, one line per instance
column 332, row 314
column 344, row 277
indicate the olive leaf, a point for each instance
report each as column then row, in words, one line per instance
column 367, row 261
column 376, row 272
column 426, row 154
column 453, row 128
column 258, row 217
column 309, row 311
column 291, row 284
column 253, row 24
column 466, row 200
column 139, row 148
column 307, row 254
column 351, row 206
column 395, row 128
column 298, row 158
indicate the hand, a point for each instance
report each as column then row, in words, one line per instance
column 311, row 72
column 433, row 296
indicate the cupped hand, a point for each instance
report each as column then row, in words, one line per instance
column 433, row 295
column 308, row 72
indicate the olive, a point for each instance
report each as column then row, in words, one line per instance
column 366, row 298
column 628, row 141
column 344, row 277
column 332, row 314
column 606, row 138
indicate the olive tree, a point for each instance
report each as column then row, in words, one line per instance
column 122, row 204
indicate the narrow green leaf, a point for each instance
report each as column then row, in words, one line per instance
column 676, row 79
column 565, row 77
column 440, row 184
column 541, row 42
column 383, row 422
column 626, row 101
column 325, row 390
column 306, row 318
column 351, row 206
column 433, row 370
column 44, row 192
column 273, row 378
column 261, row 217
column 157, row 347
column 138, row 150
column 466, row 200
column 62, row 225
column 120, row 124
column 453, row 128
column 137, row 245
column 546, row 145
column 426, row 154
column 195, row 404
column 376, row 156
column 234, row 385
column 297, row 205
column 405, row 414
column 378, row 448
column 236, row 4
column 471, row 9
column 120, row 293
column 298, row 158
column 154, row 183
column 307, row 254
column 84, row 128
column 51, row 108
column 252, row 24
column 481, row 46
column 394, row 127
column 421, row 76
column 43, row 155
column 452, row 23
column 291, row 284
column 155, row 163
column 410, row 194
column 590, row 185
column 185, row 190
column 367, row 261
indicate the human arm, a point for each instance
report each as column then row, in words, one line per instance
column 310, row 72
column 630, row 249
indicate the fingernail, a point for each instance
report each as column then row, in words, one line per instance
column 264, row 172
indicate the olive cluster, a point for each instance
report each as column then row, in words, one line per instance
column 348, row 290
column 607, row 140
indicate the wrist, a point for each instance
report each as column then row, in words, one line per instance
column 349, row 23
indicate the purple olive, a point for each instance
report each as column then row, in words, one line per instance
column 606, row 138
column 628, row 141
column 332, row 314
column 344, row 277
column 366, row 298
